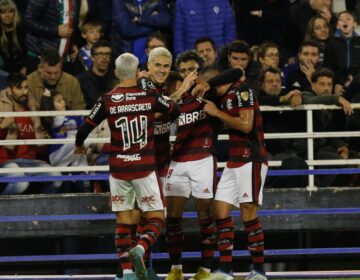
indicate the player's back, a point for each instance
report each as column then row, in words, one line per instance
column 130, row 113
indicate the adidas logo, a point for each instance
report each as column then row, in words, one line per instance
column 245, row 195
column 206, row 190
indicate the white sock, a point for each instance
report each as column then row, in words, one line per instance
column 128, row 271
column 177, row 266
column 141, row 248
column 205, row 269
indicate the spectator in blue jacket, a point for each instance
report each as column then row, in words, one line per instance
column 199, row 18
column 135, row 20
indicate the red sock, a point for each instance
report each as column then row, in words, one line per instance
column 175, row 239
column 139, row 231
column 140, row 228
column 255, row 237
column 225, row 229
column 208, row 241
column 151, row 232
column 133, row 235
column 123, row 244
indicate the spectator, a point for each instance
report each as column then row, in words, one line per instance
column 60, row 127
column 206, row 48
column 352, row 94
column 343, row 52
column 155, row 40
column 134, row 21
column 322, row 82
column 99, row 154
column 258, row 21
column 51, row 24
column 238, row 55
column 272, row 94
column 12, row 36
column 318, row 29
column 18, row 98
column 90, row 31
column 50, row 76
column 98, row 11
column 298, row 75
column 197, row 18
column 268, row 55
column 100, row 78
column 21, row 6
column 300, row 14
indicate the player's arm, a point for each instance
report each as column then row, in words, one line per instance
column 166, row 105
column 96, row 116
column 186, row 84
column 244, row 122
column 226, row 77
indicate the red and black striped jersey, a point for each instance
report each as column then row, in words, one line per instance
column 195, row 132
column 161, row 130
column 130, row 113
column 244, row 147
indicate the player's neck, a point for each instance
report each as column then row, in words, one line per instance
column 128, row 83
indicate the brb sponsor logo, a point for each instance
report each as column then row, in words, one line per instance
column 118, row 198
column 162, row 128
column 188, row 118
column 148, row 199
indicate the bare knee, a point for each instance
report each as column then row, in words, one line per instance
column 248, row 211
column 203, row 208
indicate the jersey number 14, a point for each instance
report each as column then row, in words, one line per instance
column 133, row 131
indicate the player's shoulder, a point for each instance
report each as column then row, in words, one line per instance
column 244, row 93
column 146, row 84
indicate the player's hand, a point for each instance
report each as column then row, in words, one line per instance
column 80, row 150
column 201, row 88
column 189, row 81
column 143, row 74
column 157, row 115
column 210, row 108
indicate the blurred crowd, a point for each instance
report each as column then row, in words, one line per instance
column 58, row 55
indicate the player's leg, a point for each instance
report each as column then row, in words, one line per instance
column 251, row 194
column 177, row 191
column 150, row 202
column 203, row 178
column 122, row 202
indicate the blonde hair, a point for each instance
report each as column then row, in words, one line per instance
column 86, row 26
column 126, row 66
column 4, row 42
column 159, row 51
